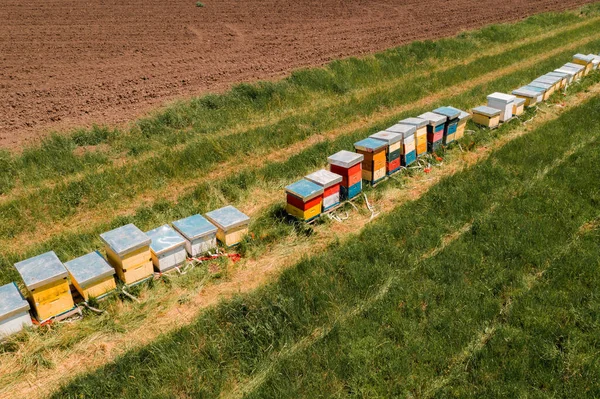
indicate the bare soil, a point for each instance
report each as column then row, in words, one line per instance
column 69, row 63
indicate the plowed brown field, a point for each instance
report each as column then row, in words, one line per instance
column 67, row 63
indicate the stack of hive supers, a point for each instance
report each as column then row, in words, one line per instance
column 128, row 252
column 451, row 123
column 200, row 234
column 45, row 278
column 531, row 97
column 435, row 130
column 392, row 151
column 519, row 106
column 408, row 153
column 462, row 124
column 167, row 248
column 503, row 102
column 304, row 199
column 348, row 165
column 232, row 224
column 14, row 310
column 486, row 116
column 330, row 182
column 420, row 125
column 373, row 164
column 585, row 60
column 91, row 276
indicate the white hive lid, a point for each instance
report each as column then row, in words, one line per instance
column 41, row 270
column 417, row 122
column 404, row 130
column 519, row 101
column 125, row 239
column 388, row 137
column 194, row 227
column 228, row 218
column 324, row 178
column 164, row 238
column 345, row 159
column 583, row 57
column 11, row 301
column 526, row 93
column 433, row 119
column 487, row 111
column 501, row 97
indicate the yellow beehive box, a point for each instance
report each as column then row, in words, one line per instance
column 232, row 225
column 486, row 116
column 128, row 252
column 91, row 275
column 45, row 278
column 463, row 118
column 584, row 60
column 420, row 134
column 519, row 106
column 300, row 214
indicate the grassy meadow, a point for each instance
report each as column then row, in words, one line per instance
column 483, row 286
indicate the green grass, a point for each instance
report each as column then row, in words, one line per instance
column 522, row 206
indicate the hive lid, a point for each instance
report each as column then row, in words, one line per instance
column 519, row 101
column 567, row 71
column 324, row 178
column 583, row 57
column 505, row 98
column 416, row 122
column 11, row 301
column 125, row 239
column 370, row 145
column 526, row 93
column 88, row 269
column 345, row 159
column 41, row 270
column 388, row 137
column 304, row 189
column 194, row 227
column 535, row 88
column 578, row 67
column 542, row 85
column 549, row 79
column 433, row 119
column 449, row 112
column 164, row 238
column 464, row 115
column 405, row 130
column 487, row 111
column 561, row 75
column 228, row 218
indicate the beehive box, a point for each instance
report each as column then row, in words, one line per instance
column 348, row 165
column 304, row 199
column 435, row 129
column 463, row 118
column 551, row 84
column 393, row 150
column 451, row 123
column 128, row 252
column 420, row 125
column 595, row 60
column 579, row 69
column 232, row 225
column 409, row 150
column 330, row 182
column 91, row 275
column 561, row 81
column 486, row 116
column 585, row 60
column 570, row 74
column 548, row 88
column 531, row 97
column 539, row 90
column 167, row 248
column 519, row 106
column 14, row 310
column 373, row 164
column 45, row 278
column 200, row 234
column 565, row 78
column 553, row 80
column 503, row 102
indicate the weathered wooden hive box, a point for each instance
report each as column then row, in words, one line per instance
column 393, row 150
column 463, row 118
column 128, row 252
column 548, row 88
column 331, row 183
column 486, row 116
column 409, row 148
column 373, row 165
column 584, row 60
column 200, row 234
column 579, row 69
column 45, row 278
column 539, row 90
column 503, row 102
column 451, row 124
column 14, row 310
column 551, row 84
column 304, row 199
column 435, row 129
column 91, row 275
column 568, row 72
column 555, row 81
column 595, row 60
column 531, row 97
column 232, row 224
column 519, row 106
column 167, row 248
column 348, row 165
column 565, row 78
column 420, row 125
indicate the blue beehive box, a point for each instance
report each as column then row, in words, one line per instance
column 452, row 114
column 351, row 192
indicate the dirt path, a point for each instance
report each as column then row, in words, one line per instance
column 67, row 63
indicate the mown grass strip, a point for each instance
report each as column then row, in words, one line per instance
column 235, row 339
column 246, row 103
column 114, row 185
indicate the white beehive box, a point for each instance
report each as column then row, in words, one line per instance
column 595, row 60
column 567, row 71
column 14, row 310
column 167, row 248
column 199, row 233
column 503, row 102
